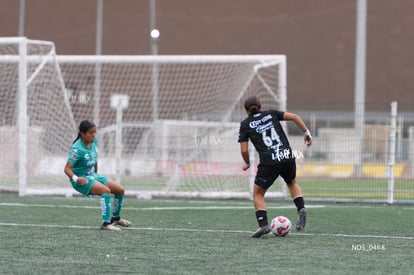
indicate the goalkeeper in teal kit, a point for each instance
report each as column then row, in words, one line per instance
column 82, row 170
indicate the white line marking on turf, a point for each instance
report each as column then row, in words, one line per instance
column 46, row 205
column 210, row 231
column 216, row 207
column 48, row 225
column 156, row 208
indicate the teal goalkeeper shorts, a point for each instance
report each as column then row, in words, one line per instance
column 92, row 179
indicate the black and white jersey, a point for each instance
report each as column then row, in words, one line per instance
column 267, row 135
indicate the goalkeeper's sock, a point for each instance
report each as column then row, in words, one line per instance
column 299, row 202
column 106, row 208
column 261, row 217
column 118, row 201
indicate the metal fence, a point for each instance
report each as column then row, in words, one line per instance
column 344, row 166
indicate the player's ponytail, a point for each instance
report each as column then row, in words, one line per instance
column 252, row 105
column 76, row 139
column 253, row 110
column 84, row 126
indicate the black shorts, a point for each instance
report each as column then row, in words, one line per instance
column 268, row 173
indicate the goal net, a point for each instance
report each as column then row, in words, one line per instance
column 176, row 131
column 36, row 122
column 167, row 125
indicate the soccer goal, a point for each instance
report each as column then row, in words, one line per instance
column 36, row 121
column 175, row 135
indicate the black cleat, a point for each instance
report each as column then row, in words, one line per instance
column 300, row 224
column 261, row 231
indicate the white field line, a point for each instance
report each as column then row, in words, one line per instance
column 208, row 231
column 218, row 207
column 156, row 208
column 184, row 229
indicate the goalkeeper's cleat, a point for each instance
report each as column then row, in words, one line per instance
column 110, row 227
column 120, row 221
column 261, row 231
column 300, row 224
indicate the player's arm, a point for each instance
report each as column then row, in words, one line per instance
column 301, row 124
column 68, row 171
column 244, row 150
column 96, row 168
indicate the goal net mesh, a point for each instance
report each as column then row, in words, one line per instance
column 36, row 123
column 179, row 127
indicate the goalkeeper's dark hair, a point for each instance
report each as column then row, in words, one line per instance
column 84, row 126
column 252, row 105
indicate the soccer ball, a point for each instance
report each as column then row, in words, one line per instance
column 281, row 226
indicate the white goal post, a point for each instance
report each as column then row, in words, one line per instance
column 178, row 130
column 35, row 115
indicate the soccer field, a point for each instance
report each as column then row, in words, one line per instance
column 45, row 235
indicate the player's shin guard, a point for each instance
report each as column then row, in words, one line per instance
column 299, row 202
column 118, row 201
column 261, row 217
column 106, row 208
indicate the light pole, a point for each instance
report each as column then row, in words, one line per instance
column 360, row 56
column 22, row 13
column 155, row 36
column 98, row 51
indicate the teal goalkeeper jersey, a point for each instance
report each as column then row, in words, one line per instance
column 83, row 158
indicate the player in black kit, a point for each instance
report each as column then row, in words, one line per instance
column 264, row 130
